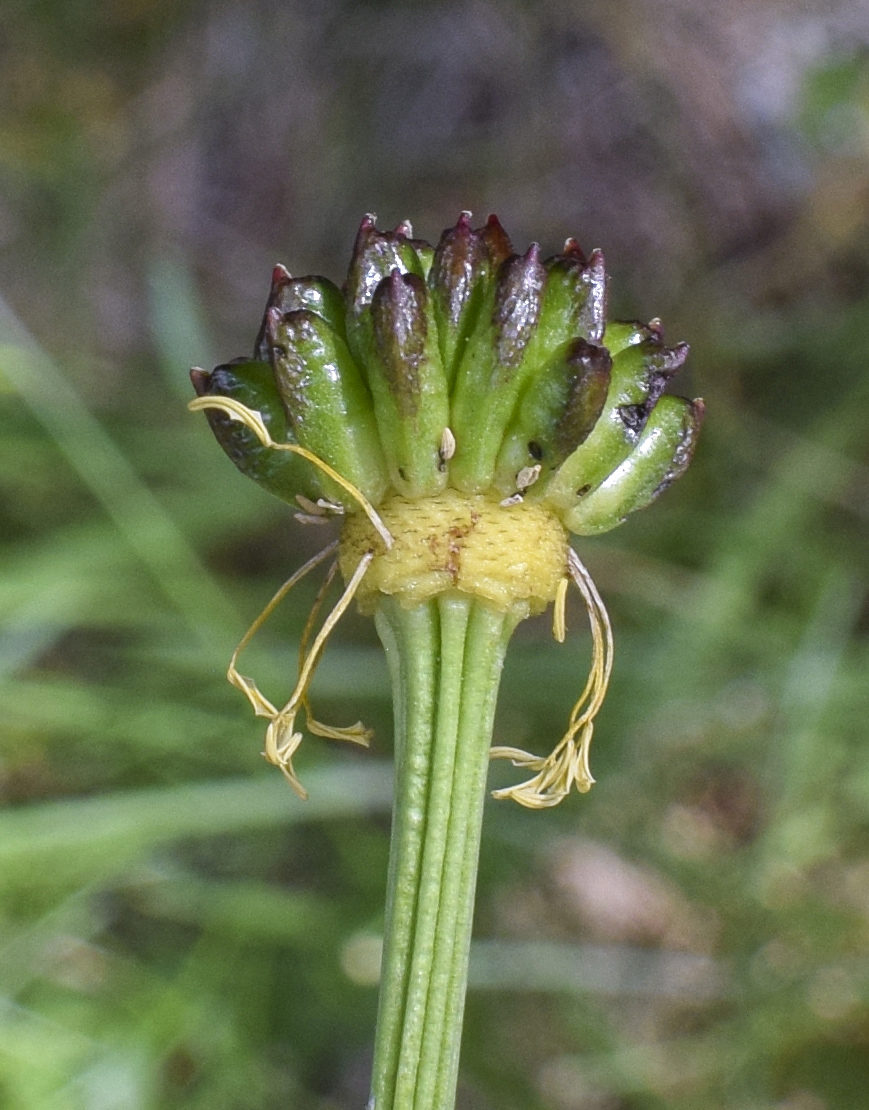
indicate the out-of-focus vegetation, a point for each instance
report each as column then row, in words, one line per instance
column 178, row 930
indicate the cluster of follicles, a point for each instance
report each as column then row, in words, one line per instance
column 462, row 408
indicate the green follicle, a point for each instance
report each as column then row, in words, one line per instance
column 516, row 312
column 400, row 331
column 568, row 371
column 620, row 334
column 411, row 401
column 463, row 272
column 289, row 294
column 375, row 255
column 460, row 270
column 640, row 370
column 588, row 369
column 538, row 311
column 496, row 241
column 574, row 302
column 556, row 414
column 251, row 382
column 662, row 452
column 327, row 403
column 494, row 369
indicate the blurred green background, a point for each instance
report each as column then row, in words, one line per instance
column 178, row 930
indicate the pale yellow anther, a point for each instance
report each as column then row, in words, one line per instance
column 309, row 506
column 280, row 747
column 527, row 476
column 261, row 705
column 307, row 518
column 282, row 738
column 448, row 445
column 356, row 734
column 559, row 618
column 567, row 765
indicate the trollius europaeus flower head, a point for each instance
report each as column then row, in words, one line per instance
column 463, row 409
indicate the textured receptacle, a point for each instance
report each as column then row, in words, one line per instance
column 453, row 543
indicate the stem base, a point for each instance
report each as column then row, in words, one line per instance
column 446, row 657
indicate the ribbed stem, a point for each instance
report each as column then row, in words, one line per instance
column 445, row 658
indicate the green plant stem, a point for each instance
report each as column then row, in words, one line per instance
column 445, row 658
